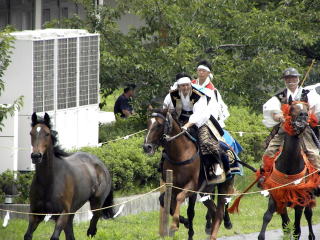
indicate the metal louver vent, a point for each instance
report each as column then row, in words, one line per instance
column 43, row 75
column 67, row 73
column 88, row 70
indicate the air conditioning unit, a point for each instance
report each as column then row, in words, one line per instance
column 57, row 71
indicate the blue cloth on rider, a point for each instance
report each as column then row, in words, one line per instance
column 231, row 166
column 237, row 148
column 202, row 89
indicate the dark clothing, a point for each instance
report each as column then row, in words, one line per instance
column 282, row 96
column 195, row 96
column 122, row 103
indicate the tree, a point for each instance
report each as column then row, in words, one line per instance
column 248, row 42
column 5, row 46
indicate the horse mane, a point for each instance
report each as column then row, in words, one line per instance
column 58, row 151
column 162, row 111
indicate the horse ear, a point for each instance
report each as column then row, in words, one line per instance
column 47, row 119
column 34, row 118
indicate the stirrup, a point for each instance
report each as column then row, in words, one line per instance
column 217, row 179
column 217, row 169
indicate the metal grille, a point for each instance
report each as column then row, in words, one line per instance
column 88, row 70
column 67, row 73
column 84, row 71
column 93, row 70
column 43, row 75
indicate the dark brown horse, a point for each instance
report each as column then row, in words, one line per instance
column 291, row 164
column 64, row 182
column 183, row 158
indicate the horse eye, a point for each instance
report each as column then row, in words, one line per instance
column 47, row 134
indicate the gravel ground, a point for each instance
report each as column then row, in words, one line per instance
column 274, row 234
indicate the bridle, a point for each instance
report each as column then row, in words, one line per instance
column 300, row 122
column 166, row 138
column 168, row 128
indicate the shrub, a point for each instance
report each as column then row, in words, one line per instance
column 129, row 166
column 22, row 183
column 252, row 140
column 121, row 128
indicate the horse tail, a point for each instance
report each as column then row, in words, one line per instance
column 108, row 212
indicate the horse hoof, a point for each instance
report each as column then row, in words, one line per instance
column 228, row 225
column 208, row 230
column 172, row 231
column 91, row 232
column 186, row 224
column 311, row 237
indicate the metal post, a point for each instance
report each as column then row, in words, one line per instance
column 165, row 213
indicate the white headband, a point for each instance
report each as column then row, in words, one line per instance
column 203, row 67
column 183, row 80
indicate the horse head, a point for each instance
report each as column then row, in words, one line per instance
column 159, row 125
column 41, row 137
column 296, row 117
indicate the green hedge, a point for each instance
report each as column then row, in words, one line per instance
column 133, row 171
column 130, row 167
column 254, row 132
column 121, row 128
column 22, row 182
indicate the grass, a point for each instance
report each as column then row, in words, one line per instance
column 145, row 226
column 111, row 99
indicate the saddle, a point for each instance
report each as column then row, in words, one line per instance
column 220, row 170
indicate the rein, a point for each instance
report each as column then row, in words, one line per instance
column 167, row 129
column 188, row 161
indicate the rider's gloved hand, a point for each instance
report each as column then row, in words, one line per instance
column 184, row 128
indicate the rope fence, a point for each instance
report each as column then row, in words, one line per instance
column 295, row 182
column 240, row 133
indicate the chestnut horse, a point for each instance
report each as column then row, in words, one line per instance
column 183, row 158
column 63, row 182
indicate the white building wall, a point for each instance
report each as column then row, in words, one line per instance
column 9, row 144
column 77, row 126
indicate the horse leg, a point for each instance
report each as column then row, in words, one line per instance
column 184, row 221
column 210, row 215
column 285, row 220
column 297, row 218
column 68, row 230
column 190, row 212
column 94, row 204
column 267, row 218
column 61, row 224
column 308, row 214
column 208, row 222
column 176, row 210
column 226, row 218
column 34, row 221
column 218, row 217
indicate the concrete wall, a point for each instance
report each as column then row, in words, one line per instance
column 145, row 204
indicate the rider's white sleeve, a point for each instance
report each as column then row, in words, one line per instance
column 272, row 106
column 314, row 101
column 224, row 112
column 167, row 103
column 201, row 112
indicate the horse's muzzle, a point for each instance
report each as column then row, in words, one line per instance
column 148, row 148
column 36, row 157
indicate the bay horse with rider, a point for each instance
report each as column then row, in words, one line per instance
column 182, row 155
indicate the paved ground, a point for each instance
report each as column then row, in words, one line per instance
column 274, row 234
